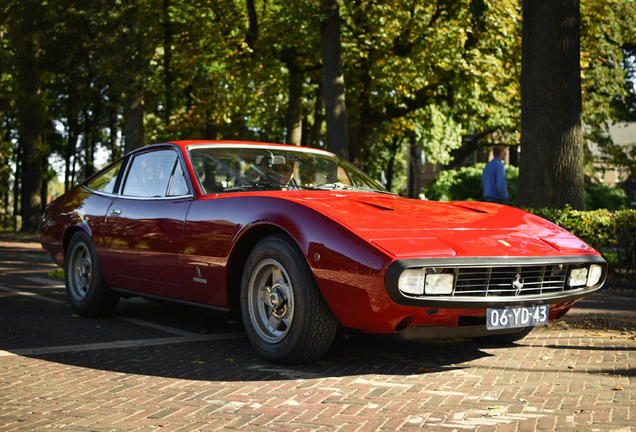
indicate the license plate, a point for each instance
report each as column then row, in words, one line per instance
column 528, row 316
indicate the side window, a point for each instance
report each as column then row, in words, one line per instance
column 178, row 184
column 106, row 181
column 149, row 174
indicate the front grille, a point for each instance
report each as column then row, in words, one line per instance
column 510, row 281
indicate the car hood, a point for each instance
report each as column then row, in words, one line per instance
column 408, row 228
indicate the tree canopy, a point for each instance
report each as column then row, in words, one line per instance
column 85, row 78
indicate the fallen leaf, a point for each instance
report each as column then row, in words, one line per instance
column 203, row 332
column 590, row 344
column 617, row 388
column 230, row 360
column 423, row 369
column 198, row 362
column 495, row 407
column 571, row 367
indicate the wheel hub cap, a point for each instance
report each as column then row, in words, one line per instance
column 277, row 300
column 270, row 301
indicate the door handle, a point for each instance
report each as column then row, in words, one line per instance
column 115, row 212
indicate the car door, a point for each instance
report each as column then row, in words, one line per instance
column 144, row 225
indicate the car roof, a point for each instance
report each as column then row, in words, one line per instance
column 224, row 143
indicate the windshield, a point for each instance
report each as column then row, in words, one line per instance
column 248, row 168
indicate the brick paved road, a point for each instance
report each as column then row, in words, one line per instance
column 155, row 367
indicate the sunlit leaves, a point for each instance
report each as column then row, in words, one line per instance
column 426, row 70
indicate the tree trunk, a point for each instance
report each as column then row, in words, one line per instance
column 333, row 77
column 69, row 158
column 89, row 146
column 112, row 127
column 167, row 61
column 134, row 121
column 551, row 162
column 313, row 140
column 17, row 185
column 412, row 190
column 31, row 115
column 252, row 30
column 359, row 136
column 295, row 107
column 390, row 166
column 44, row 187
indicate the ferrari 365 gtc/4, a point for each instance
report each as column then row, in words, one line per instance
column 297, row 241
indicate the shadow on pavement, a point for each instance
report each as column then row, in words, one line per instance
column 41, row 325
column 32, row 324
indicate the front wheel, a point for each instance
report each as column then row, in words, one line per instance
column 285, row 316
column 86, row 288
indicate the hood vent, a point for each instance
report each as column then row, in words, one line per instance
column 471, row 208
column 379, row 207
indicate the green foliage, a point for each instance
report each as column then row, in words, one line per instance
column 612, row 233
column 56, row 274
column 6, row 150
column 457, row 185
column 607, row 30
column 624, row 232
column 608, row 71
column 210, row 69
column 598, row 196
column 445, row 67
column 384, row 154
column 438, row 134
column 465, row 184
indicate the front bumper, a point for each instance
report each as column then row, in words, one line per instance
column 545, row 279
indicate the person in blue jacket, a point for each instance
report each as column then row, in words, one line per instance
column 493, row 179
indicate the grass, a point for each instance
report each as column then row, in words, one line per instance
column 56, row 274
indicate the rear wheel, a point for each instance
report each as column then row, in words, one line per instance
column 285, row 316
column 86, row 288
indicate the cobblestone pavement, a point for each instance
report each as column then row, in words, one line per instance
column 155, row 367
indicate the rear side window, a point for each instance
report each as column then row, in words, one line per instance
column 151, row 174
column 107, row 180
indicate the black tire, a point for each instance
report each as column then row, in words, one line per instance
column 286, row 318
column 86, row 288
column 504, row 339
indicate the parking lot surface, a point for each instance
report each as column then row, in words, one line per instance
column 158, row 367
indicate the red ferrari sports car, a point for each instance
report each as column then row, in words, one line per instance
column 297, row 241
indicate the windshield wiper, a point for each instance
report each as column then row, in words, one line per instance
column 254, row 186
column 366, row 188
column 342, row 186
column 335, row 186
